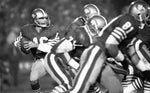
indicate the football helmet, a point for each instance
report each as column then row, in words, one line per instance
column 91, row 10
column 40, row 17
column 96, row 23
column 139, row 10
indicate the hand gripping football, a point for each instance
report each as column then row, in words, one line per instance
column 23, row 49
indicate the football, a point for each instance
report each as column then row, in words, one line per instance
column 23, row 49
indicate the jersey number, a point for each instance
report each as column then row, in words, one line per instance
column 41, row 40
column 127, row 27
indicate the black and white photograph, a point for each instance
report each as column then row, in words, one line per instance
column 74, row 46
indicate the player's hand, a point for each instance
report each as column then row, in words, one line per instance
column 52, row 42
column 56, row 39
column 17, row 42
column 29, row 44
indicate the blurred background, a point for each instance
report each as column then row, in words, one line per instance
column 14, row 65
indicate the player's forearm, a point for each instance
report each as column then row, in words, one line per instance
column 115, row 52
column 71, row 62
column 45, row 47
column 119, row 56
column 65, row 46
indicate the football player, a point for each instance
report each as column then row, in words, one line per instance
column 81, row 37
column 120, row 30
column 80, row 41
column 89, row 10
column 77, row 39
column 38, row 39
column 139, row 52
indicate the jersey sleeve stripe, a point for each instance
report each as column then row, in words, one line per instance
column 121, row 30
column 119, row 33
column 105, row 27
column 116, row 37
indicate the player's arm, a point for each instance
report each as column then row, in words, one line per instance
column 48, row 44
column 71, row 61
column 115, row 52
column 26, row 43
column 65, row 45
column 114, row 38
column 112, row 47
column 23, row 42
column 30, row 44
column 44, row 47
column 20, row 38
column 20, row 43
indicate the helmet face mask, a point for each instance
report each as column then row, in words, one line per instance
column 91, row 10
column 40, row 18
